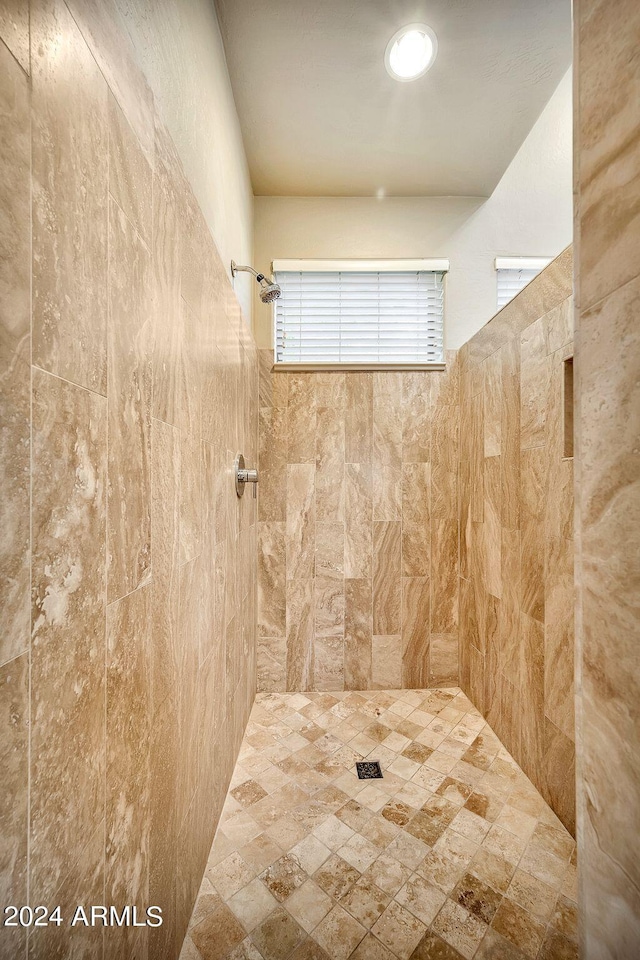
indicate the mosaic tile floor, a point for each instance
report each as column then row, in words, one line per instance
column 453, row 854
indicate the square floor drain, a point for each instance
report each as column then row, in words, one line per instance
column 369, row 769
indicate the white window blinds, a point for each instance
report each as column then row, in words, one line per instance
column 514, row 273
column 358, row 315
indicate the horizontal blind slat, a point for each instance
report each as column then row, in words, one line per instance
column 511, row 281
column 359, row 316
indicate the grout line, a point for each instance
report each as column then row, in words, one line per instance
column 72, row 383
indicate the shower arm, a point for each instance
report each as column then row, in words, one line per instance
column 237, row 268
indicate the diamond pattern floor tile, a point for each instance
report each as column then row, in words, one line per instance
column 452, row 855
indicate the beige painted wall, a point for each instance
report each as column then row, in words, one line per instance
column 529, row 213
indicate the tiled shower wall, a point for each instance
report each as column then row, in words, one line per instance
column 128, row 382
column 358, row 529
column 516, row 524
column 607, row 227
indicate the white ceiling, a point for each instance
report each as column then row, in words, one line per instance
column 321, row 116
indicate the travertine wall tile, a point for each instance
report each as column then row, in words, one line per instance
column 416, row 417
column 104, row 31
column 83, row 883
column 328, row 662
column 272, row 574
column 491, row 552
column 607, row 157
column 531, row 688
column 559, row 693
column 387, row 571
column 301, row 419
column 444, row 576
column 300, row 622
column 329, row 607
column 68, row 626
column 358, row 633
column 330, row 550
column 386, row 662
column 330, row 464
column 166, row 255
column 359, row 525
column 164, row 667
column 272, row 501
column 387, row 445
column 300, row 528
column 14, row 30
column 135, row 711
column 129, row 721
column 14, row 792
column 533, row 489
column 129, row 381
column 492, row 392
column 70, row 200
column 510, row 444
column 516, row 503
column 271, row 666
column 359, row 418
column 15, row 326
column 416, row 596
column 443, row 658
column 331, row 390
column 534, row 385
column 415, row 519
column 358, row 544
column 130, row 174
column 607, row 227
column 559, row 787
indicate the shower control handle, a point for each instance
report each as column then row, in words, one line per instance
column 244, row 476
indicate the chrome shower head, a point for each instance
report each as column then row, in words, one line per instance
column 269, row 289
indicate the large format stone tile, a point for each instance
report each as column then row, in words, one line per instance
column 14, row 30
column 387, row 583
column 300, row 528
column 608, row 156
column 358, row 520
column 416, row 417
column 130, row 174
column 129, row 500
column 70, row 200
column 14, row 794
column 128, row 776
column 105, row 33
column 15, row 325
column 358, row 632
column 608, row 579
column 68, row 647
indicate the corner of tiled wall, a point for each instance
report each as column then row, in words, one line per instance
column 130, row 382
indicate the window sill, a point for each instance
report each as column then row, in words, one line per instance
column 352, row 367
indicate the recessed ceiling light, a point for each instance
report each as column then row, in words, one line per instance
column 410, row 52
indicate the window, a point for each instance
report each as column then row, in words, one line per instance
column 359, row 313
column 514, row 273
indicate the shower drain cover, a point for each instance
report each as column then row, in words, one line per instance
column 369, row 770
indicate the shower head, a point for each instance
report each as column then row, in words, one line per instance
column 269, row 289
